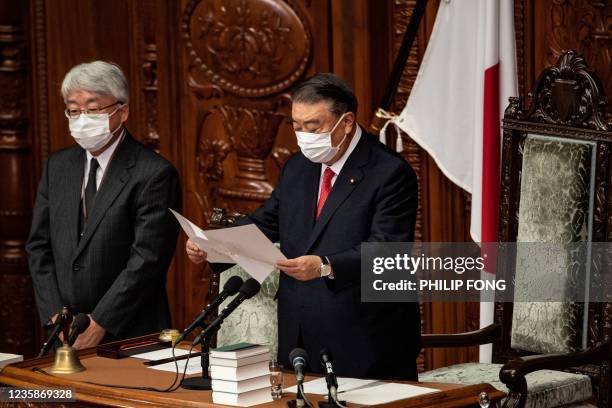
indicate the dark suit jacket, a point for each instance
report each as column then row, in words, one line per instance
column 117, row 270
column 379, row 204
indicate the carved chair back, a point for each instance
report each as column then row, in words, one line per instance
column 555, row 188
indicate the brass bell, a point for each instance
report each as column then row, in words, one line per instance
column 66, row 361
column 170, row 335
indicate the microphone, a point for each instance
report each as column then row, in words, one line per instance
column 298, row 359
column 247, row 291
column 230, row 288
column 330, row 376
column 63, row 317
column 79, row 325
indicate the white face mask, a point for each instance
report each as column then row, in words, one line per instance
column 92, row 131
column 317, row 147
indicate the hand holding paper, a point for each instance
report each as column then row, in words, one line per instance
column 194, row 253
column 245, row 245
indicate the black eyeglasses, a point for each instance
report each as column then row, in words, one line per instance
column 75, row 113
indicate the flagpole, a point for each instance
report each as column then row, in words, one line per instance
column 381, row 115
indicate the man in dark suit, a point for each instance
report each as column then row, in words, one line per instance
column 102, row 236
column 342, row 189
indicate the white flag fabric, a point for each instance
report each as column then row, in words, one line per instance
column 455, row 107
column 456, row 104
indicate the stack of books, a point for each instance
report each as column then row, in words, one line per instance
column 240, row 375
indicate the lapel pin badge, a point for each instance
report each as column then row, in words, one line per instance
column 352, row 180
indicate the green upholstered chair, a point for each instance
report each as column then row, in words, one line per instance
column 555, row 186
column 255, row 321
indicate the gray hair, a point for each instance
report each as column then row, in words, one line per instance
column 98, row 77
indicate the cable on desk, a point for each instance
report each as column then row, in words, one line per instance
column 173, row 387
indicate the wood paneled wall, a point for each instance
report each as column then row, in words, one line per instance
column 209, row 82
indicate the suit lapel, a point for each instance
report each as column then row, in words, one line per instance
column 349, row 177
column 116, row 176
column 309, row 200
column 74, row 185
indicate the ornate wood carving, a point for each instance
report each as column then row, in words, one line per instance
column 241, row 58
column 211, row 154
column 280, row 155
column 585, row 26
column 252, row 133
column 149, row 89
column 520, row 35
column 144, row 100
column 242, row 49
column 39, row 81
column 17, row 315
column 249, row 48
column 569, row 94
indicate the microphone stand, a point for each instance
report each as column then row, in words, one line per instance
column 331, row 402
column 204, row 382
column 298, row 402
column 57, row 327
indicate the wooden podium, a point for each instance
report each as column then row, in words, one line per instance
column 132, row 371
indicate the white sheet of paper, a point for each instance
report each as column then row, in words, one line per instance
column 198, row 236
column 7, row 358
column 319, row 386
column 194, row 366
column 245, row 245
column 384, row 393
column 160, row 354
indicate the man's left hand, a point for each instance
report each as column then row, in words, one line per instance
column 303, row 268
column 90, row 337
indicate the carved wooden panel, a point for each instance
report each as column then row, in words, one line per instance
column 17, row 315
column 238, row 50
column 545, row 29
column 240, row 58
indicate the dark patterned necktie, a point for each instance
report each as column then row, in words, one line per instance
column 91, row 189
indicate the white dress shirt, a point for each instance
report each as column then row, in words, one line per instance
column 337, row 166
column 103, row 159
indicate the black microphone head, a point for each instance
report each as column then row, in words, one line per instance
column 298, row 353
column 250, row 288
column 233, row 285
column 326, row 355
column 81, row 323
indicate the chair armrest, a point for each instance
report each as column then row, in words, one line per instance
column 482, row 336
column 519, row 367
column 514, row 371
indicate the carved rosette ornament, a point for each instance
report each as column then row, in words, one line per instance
column 249, row 48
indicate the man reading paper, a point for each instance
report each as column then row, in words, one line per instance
column 343, row 188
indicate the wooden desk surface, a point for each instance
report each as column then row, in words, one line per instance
column 131, row 371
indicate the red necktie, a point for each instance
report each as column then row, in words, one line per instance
column 326, row 187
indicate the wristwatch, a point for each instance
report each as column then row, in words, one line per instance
column 326, row 270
